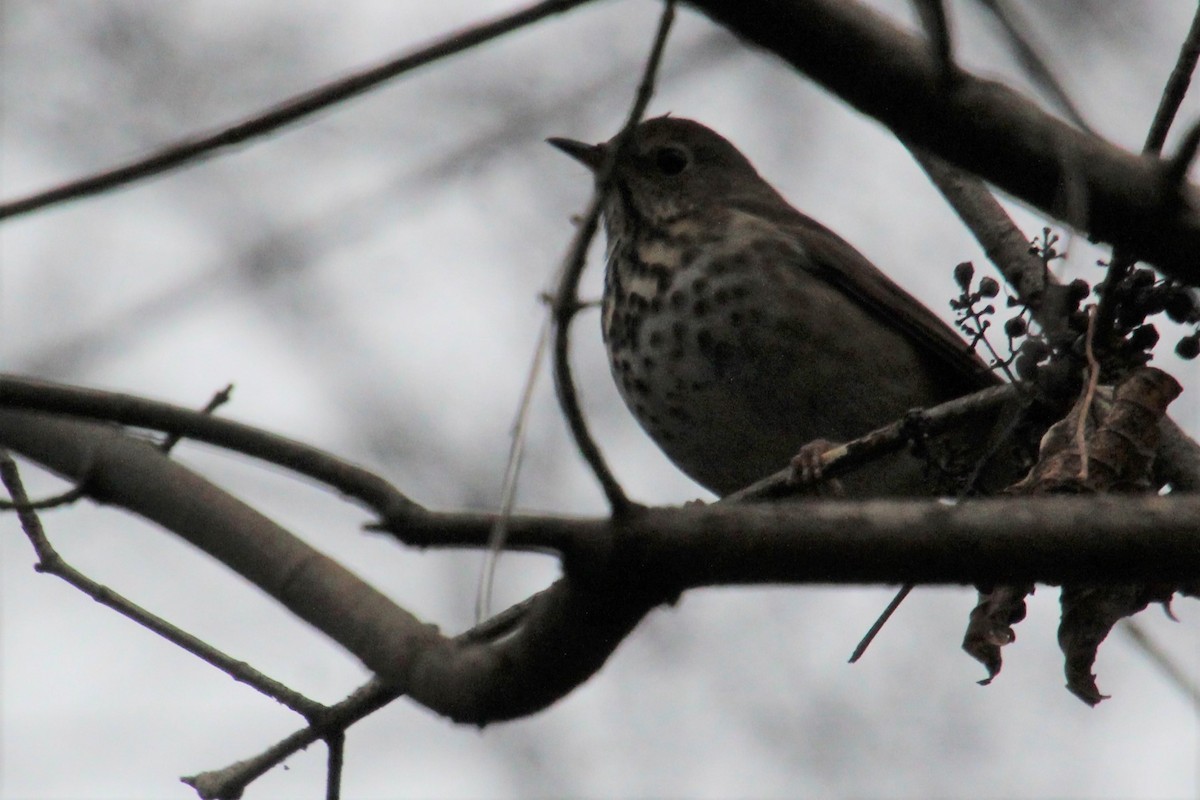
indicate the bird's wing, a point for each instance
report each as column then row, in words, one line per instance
column 835, row 260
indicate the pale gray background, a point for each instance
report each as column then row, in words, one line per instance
column 368, row 281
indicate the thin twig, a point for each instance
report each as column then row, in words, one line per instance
column 75, row 493
column 219, row 399
column 350, row 479
column 51, row 563
column 870, row 635
column 1088, row 396
column 1176, row 88
column 230, row 781
column 193, row 147
column 1175, row 675
column 1031, row 59
column 508, row 492
column 1168, row 107
column 336, row 742
column 566, row 301
column 888, row 439
column 559, row 315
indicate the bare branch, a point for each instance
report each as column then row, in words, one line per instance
column 620, row 568
column 198, row 146
column 350, row 479
column 1176, row 88
column 981, row 126
column 232, row 780
column 889, row 439
column 1035, row 66
column 1096, row 539
column 51, row 563
column 566, row 301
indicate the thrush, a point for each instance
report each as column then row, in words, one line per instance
column 738, row 329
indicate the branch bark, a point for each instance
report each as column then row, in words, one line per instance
column 618, row 569
column 563, row 638
column 981, row 126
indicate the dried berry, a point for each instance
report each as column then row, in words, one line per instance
column 963, row 274
column 1141, row 279
column 1077, row 291
column 988, row 287
column 1057, row 378
column 1180, row 305
column 1188, row 347
column 1015, row 327
column 1035, row 349
column 1144, row 338
column 1026, row 367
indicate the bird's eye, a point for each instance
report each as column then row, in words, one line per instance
column 671, row 160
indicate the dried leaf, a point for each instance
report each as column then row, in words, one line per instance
column 1100, row 446
column 990, row 625
column 1088, row 614
column 1118, row 443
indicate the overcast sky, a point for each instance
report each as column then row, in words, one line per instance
column 368, row 280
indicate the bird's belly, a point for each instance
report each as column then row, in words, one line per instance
column 731, row 376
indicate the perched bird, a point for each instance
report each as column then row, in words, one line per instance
column 739, row 329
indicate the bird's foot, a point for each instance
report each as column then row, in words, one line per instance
column 808, row 466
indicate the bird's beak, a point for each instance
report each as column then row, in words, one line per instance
column 590, row 155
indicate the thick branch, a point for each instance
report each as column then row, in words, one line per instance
column 1100, row 538
column 618, row 569
column 564, row 637
column 981, row 126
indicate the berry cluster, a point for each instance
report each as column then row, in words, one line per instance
column 1123, row 342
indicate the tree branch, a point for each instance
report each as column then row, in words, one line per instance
column 295, row 108
column 350, row 479
column 51, row 563
column 618, row 569
column 981, row 126
column 1045, row 539
column 566, row 300
column 563, row 638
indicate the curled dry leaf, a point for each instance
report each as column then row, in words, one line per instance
column 1102, row 445
column 1088, row 614
column 1118, row 443
column 990, row 626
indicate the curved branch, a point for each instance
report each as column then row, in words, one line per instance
column 981, row 126
column 349, row 479
column 618, row 569
column 563, row 638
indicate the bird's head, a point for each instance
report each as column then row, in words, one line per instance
column 670, row 169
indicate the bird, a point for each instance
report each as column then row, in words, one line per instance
column 739, row 330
